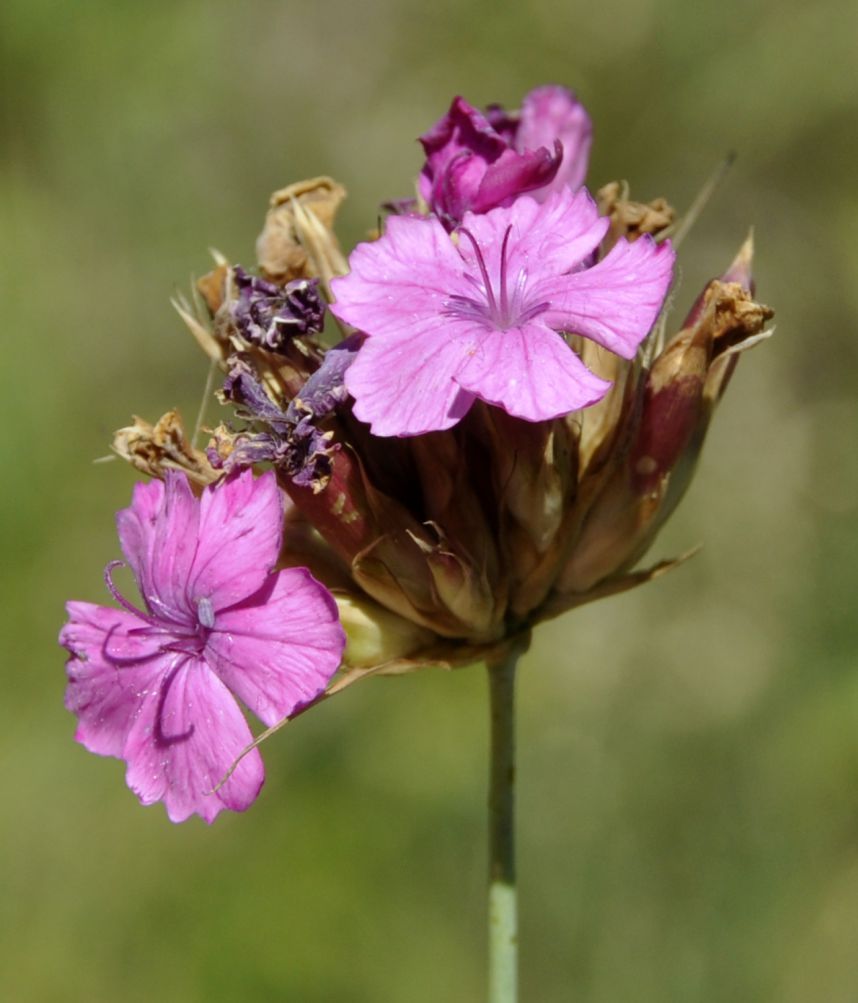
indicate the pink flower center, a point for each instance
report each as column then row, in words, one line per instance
column 499, row 307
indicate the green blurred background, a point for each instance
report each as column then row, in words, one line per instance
column 689, row 752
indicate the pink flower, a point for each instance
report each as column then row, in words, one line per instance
column 157, row 686
column 449, row 319
column 475, row 162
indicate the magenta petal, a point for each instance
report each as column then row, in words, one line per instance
column 463, row 128
column 158, row 534
column 531, row 373
column 616, row 301
column 458, row 149
column 513, row 173
column 405, row 386
column 115, row 662
column 392, row 279
column 280, row 652
column 458, row 187
column 136, row 525
column 550, row 237
column 550, row 113
column 240, row 531
column 184, row 741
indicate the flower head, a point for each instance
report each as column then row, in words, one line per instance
column 156, row 685
column 449, row 321
column 475, row 162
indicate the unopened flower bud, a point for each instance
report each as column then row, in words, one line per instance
column 374, row 635
column 667, row 431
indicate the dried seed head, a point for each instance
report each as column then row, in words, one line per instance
column 154, row 449
column 298, row 239
column 631, row 219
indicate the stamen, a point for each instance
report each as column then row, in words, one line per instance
column 510, row 309
column 504, row 304
column 158, row 732
column 490, row 293
column 122, row 661
column 120, row 598
column 164, row 611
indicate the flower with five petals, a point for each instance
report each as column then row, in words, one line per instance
column 482, row 314
column 156, row 685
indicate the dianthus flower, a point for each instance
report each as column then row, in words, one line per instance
column 452, row 320
column 477, row 161
column 156, row 686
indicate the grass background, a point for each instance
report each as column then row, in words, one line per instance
column 689, row 752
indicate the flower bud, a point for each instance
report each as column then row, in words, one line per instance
column 666, row 430
column 374, row 635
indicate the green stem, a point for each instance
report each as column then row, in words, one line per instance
column 503, row 906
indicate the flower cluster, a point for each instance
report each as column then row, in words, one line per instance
column 499, row 435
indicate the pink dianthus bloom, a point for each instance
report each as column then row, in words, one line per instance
column 156, row 686
column 479, row 314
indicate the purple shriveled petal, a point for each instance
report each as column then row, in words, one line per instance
column 243, row 388
column 325, row 389
column 294, row 443
column 269, row 315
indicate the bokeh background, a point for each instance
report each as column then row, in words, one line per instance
column 688, row 752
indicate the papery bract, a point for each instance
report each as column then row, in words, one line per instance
column 451, row 321
column 476, row 161
column 156, row 686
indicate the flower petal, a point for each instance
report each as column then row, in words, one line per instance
column 115, row 662
column 239, row 536
column 278, row 651
column 616, row 301
column 513, row 173
column 404, row 386
column 531, row 373
column 158, row 533
column 549, row 113
column 551, row 237
column 184, row 740
column 405, row 274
